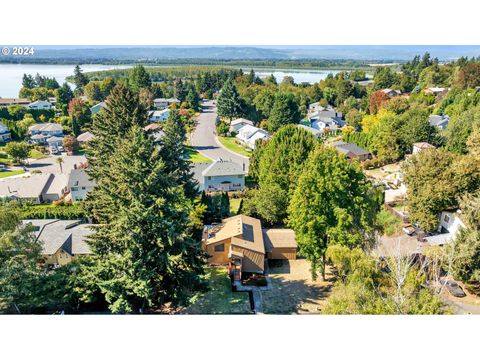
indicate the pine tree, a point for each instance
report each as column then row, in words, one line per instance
column 180, row 91
column 139, row 78
column 144, row 254
column 229, row 102
column 79, row 78
column 173, row 152
column 192, row 97
column 284, row 111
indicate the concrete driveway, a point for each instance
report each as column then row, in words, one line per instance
column 204, row 140
column 50, row 164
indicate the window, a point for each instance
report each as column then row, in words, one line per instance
column 219, row 248
column 209, row 178
column 74, row 188
column 446, row 218
column 83, row 187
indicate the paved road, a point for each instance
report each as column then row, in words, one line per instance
column 203, row 138
column 50, row 164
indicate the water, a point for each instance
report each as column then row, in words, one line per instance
column 299, row 76
column 11, row 74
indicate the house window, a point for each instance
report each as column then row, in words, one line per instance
column 219, row 248
column 446, row 218
column 74, row 188
column 83, row 187
column 209, row 178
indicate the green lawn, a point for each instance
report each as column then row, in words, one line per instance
column 35, row 154
column 230, row 144
column 4, row 174
column 195, row 156
column 234, row 206
column 219, row 299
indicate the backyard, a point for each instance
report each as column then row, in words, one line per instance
column 294, row 291
column 219, row 299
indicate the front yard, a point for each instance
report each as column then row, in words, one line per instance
column 219, row 299
column 231, row 144
column 195, row 156
column 7, row 173
column 294, row 291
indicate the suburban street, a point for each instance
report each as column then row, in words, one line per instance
column 203, row 138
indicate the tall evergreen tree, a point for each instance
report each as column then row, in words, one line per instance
column 139, row 78
column 173, row 152
column 79, row 78
column 284, row 111
column 229, row 102
column 179, row 90
column 192, row 97
column 64, row 94
column 143, row 251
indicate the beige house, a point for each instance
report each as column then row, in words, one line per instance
column 242, row 244
column 62, row 240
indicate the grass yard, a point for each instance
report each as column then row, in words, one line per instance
column 234, row 206
column 4, row 174
column 195, row 156
column 294, row 291
column 219, row 299
column 391, row 224
column 230, row 144
column 35, row 154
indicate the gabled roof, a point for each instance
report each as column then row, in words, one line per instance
column 13, row 101
column 347, row 148
column 241, row 121
column 46, row 127
column 222, row 167
column 79, row 177
column 310, row 129
column 423, row 145
column 244, row 231
column 54, row 139
column 40, row 103
column 69, row 235
column 85, row 137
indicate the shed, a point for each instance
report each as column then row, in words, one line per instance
column 280, row 244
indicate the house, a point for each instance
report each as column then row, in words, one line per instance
column 391, row 93
column 439, row 121
column 40, row 105
column 420, row 146
column 162, row 103
column 79, row 184
column 365, row 82
column 352, row 151
column 325, row 123
column 96, row 108
column 61, row 240
column 12, row 101
column 55, row 141
column 5, row 134
column 38, row 188
column 158, row 115
column 449, row 225
column 249, row 134
column 315, row 132
column 435, row 91
column 241, row 243
column 322, row 112
column 221, row 175
column 40, row 133
column 85, row 137
column 236, row 124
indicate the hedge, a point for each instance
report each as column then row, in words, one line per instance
column 69, row 212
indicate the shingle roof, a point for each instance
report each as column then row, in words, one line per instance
column 85, row 137
column 79, row 177
column 46, row 127
column 279, row 238
column 223, row 168
column 70, row 235
column 25, row 187
column 241, row 121
column 346, row 148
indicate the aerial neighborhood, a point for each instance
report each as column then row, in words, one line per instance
column 210, row 189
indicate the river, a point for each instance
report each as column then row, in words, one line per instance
column 11, row 74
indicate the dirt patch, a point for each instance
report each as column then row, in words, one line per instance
column 294, row 291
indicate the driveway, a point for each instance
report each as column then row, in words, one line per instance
column 50, row 164
column 204, row 140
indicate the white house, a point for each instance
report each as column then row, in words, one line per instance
column 5, row 134
column 325, row 123
column 162, row 103
column 315, row 132
column 449, row 225
column 55, row 141
column 436, row 91
column 40, row 105
column 439, row 121
column 79, row 184
column 236, row 124
column 158, row 115
column 40, row 133
column 248, row 134
column 221, row 175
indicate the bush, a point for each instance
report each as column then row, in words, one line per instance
column 391, row 225
column 70, row 212
column 222, row 128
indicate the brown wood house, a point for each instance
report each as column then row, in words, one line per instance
column 242, row 244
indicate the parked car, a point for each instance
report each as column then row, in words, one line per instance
column 54, row 150
column 453, row 287
column 61, row 149
column 3, row 167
